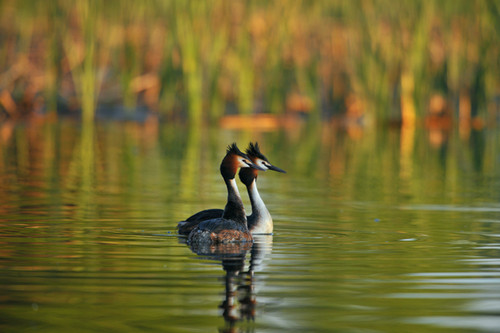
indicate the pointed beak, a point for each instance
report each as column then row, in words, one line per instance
column 252, row 165
column 275, row 168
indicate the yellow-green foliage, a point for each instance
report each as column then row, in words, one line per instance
column 198, row 59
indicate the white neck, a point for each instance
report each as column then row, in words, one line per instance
column 260, row 222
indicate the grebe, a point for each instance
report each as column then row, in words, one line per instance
column 232, row 225
column 260, row 222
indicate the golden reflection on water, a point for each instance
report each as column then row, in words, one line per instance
column 88, row 226
column 192, row 159
column 67, row 158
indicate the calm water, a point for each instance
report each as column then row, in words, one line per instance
column 374, row 232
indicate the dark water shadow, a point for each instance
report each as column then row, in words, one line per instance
column 240, row 301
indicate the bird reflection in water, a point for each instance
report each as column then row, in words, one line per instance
column 239, row 302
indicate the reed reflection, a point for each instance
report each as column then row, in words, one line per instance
column 240, row 301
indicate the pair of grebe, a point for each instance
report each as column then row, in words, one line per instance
column 231, row 224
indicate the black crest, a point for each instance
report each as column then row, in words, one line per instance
column 253, row 150
column 233, row 149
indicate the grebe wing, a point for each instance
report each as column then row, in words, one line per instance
column 219, row 224
column 185, row 227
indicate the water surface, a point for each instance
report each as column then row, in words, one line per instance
column 374, row 232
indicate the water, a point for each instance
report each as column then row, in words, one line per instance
column 374, row 232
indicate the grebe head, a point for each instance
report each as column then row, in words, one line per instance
column 253, row 151
column 248, row 175
column 235, row 159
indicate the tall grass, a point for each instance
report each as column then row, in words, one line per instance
column 201, row 60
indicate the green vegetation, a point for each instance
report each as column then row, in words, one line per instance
column 199, row 60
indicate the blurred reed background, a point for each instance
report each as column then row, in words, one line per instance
column 362, row 62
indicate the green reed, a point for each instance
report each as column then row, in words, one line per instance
column 201, row 60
